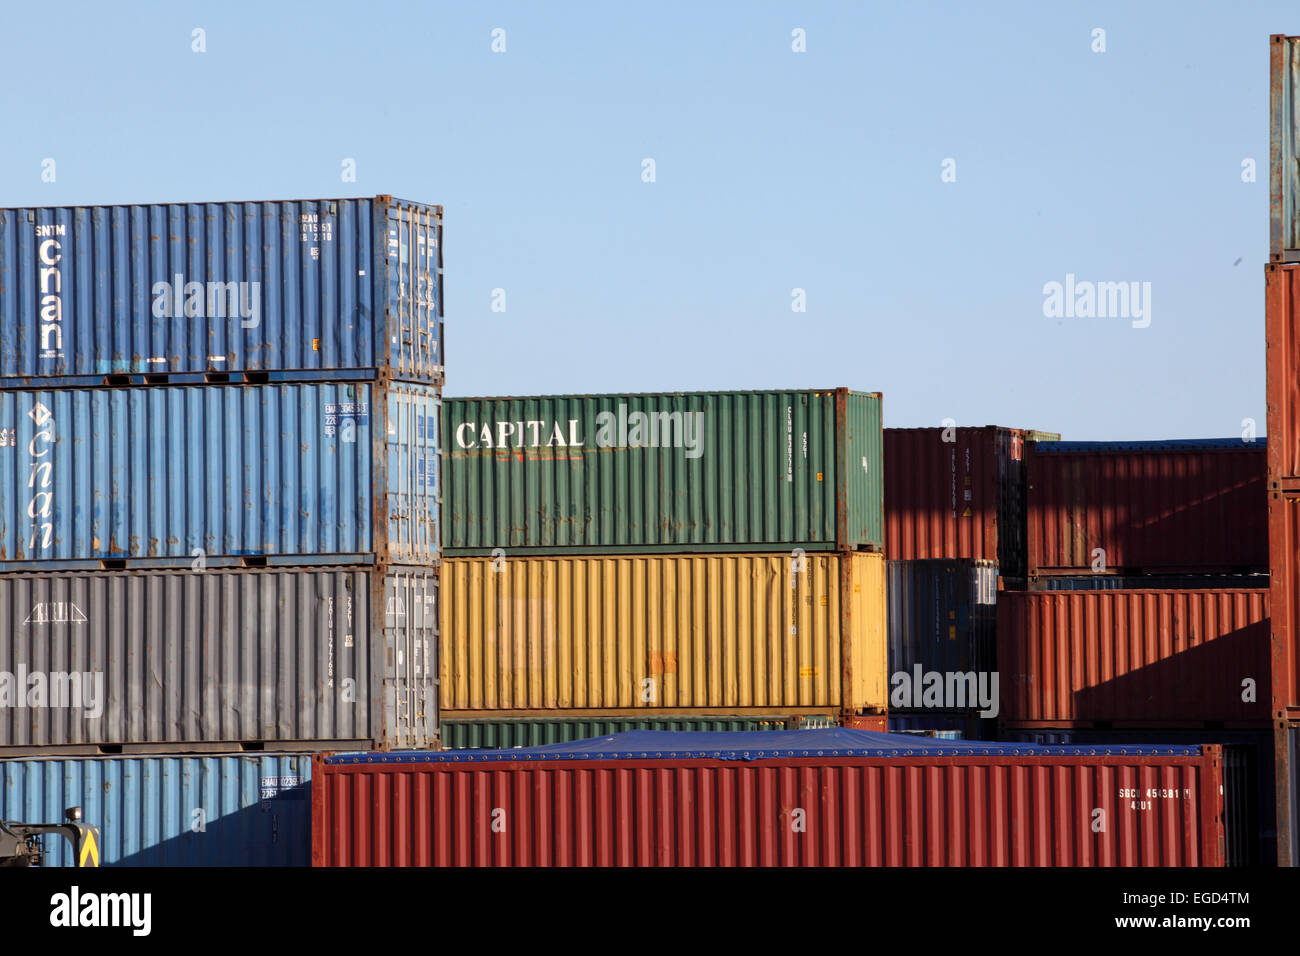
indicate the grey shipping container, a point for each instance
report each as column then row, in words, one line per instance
column 299, row 290
column 234, row 810
column 942, row 618
column 669, row 472
column 176, row 661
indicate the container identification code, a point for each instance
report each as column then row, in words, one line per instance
column 273, row 786
column 1144, row 798
column 340, row 413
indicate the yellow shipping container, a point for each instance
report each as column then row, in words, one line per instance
column 698, row 633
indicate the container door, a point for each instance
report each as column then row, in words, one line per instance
column 411, row 646
column 414, row 286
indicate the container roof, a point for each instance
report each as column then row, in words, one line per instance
column 758, row 745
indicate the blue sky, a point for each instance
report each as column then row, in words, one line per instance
column 774, row 170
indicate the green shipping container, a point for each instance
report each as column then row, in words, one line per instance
column 528, row 732
column 686, row 471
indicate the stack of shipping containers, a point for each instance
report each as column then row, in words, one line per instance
column 1282, row 323
column 689, row 561
column 1147, row 614
column 219, row 488
column 955, row 537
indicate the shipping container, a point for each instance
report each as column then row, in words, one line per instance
column 641, row 635
column 646, row 798
column 1175, row 507
column 957, row 493
column 499, row 733
column 219, row 475
column 170, row 811
column 1134, row 658
column 1150, row 582
column 942, row 619
column 1282, row 361
column 1284, row 162
column 1284, row 593
column 229, row 291
column 686, row 471
column 1249, row 818
column 170, row 661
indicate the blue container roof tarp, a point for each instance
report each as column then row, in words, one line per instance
column 761, row 745
column 1170, row 444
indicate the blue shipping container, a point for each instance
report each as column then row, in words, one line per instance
column 238, row 291
column 227, row 475
column 169, row 811
column 942, row 618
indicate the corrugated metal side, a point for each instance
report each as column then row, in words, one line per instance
column 656, row 632
column 1282, row 363
column 1155, row 657
column 170, row 811
column 524, row 732
column 1284, row 161
column 942, row 617
column 1284, row 593
column 734, row 470
column 1287, row 751
column 899, row 811
column 963, row 498
column 1249, row 831
column 320, row 285
column 1149, row 582
column 281, row 472
column 1172, row 510
column 292, row 659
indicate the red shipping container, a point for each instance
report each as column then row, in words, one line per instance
column 963, row 498
column 1176, row 507
column 1154, row 658
column 915, row 803
column 1282, row 335
column 1284, row 586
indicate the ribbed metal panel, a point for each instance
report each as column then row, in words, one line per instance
column 295, row 474
column 672, row 472
column 663, row 632
column 1282, row 334
column 942, row 617
column 1148, row 582
column 170, row 811
column 1284, row 164
column 288, row 290
column 282, row 659
column 1155, row 658
column 957, row 493
column 1284, row 595
column 525, row 732
column 856, row 811
column 1147, row 507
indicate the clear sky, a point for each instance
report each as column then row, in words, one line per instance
column 774, row 170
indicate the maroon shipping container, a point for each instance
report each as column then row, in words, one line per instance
column 1176, row 507
column 1284, row 586
column 620, row 801
column 1282, row 335
column 1166, row 658
column 963, row 498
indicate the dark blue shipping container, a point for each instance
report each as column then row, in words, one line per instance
column 224, row 475
column 169, row 811
column 238, row 291
column 942, row 618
